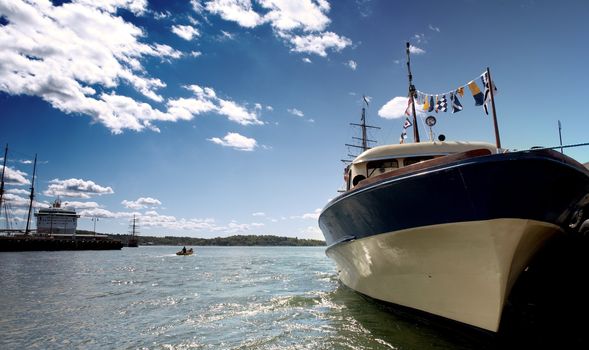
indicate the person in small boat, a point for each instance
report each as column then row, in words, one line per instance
column 184, row 250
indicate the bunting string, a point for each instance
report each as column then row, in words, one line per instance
column 439, row 102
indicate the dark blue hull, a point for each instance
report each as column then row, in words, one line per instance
column 537, row 185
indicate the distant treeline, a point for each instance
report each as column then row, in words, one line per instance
column 239, row 240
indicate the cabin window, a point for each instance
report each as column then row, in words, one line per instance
column 414, row 160
column 357, row 179
column 381, row 166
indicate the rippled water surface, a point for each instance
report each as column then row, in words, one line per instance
column 219, row 298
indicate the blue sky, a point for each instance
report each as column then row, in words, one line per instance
column 221, row 117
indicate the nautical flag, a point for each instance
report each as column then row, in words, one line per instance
column 456, row 106
column 460, row 91
column 365, row 99
column 408, row 109
column 476, row 93
column 426, row 104
column 431, row 104
column 403, row 137
column 407, row 123
column 437, row 104
column 487, row 98
column 443, row 104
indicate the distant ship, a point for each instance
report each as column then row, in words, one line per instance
column 133, row 240
column 447, row 227
column 57, row 221
column 56, row 227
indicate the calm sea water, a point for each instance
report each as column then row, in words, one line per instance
column 219, row 298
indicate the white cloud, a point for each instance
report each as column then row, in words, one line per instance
column 62, row 53
column 259, row 214
column 15, row 200
column 352, row 64
column 99, row 213
column 77, row 188
column 314, row 215
column 195, row 53
column 237, row 141
column 141, row 203
column 162, row 15
column 206, row 100
column 185, row 32
column 296, row 112
column 227, row 36
column 301, row 23
column 270, row 108
column 395, row 108
column 288, row 15
column 17, row 191
column 416, row 50
column 239, row 11
column 435, row 29
column 14, row 176
column 317, row 43
column 307, row 60
column 80, row 205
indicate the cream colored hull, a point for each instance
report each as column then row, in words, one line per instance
column 461, row 271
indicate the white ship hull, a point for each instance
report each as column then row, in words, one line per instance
column 462, row 271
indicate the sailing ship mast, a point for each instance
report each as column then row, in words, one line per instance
column 31, row 196
column 364, row 140
column 2, row 179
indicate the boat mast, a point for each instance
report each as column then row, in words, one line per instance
column 2, row 179
column 32, row 195
column 412, row 93
column 133, row 232
column 492, row 94
column 364, row 139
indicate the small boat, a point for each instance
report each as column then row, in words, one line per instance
column 185, row 252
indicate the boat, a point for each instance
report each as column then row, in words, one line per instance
column 56, row 220
column 133, row 241
column 185, row 252
column 447, row 227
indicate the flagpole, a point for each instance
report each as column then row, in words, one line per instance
column 491, row 88
column 411, row 94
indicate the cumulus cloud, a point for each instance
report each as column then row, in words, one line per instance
column 14, row 176
column 141, row 203
column 185, row 32
column 76, row 54
column 206, row 100
column 307, row 60
column 352, row 64
column 394, row 109
column 435, row 29
column 301, row 23
column 236, row 141
column 80, row 205
column 76, row 188
column 317, row 43
column 296, row 112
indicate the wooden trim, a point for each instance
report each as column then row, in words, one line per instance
column 425, row 165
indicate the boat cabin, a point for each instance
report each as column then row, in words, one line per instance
column 384, row 159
